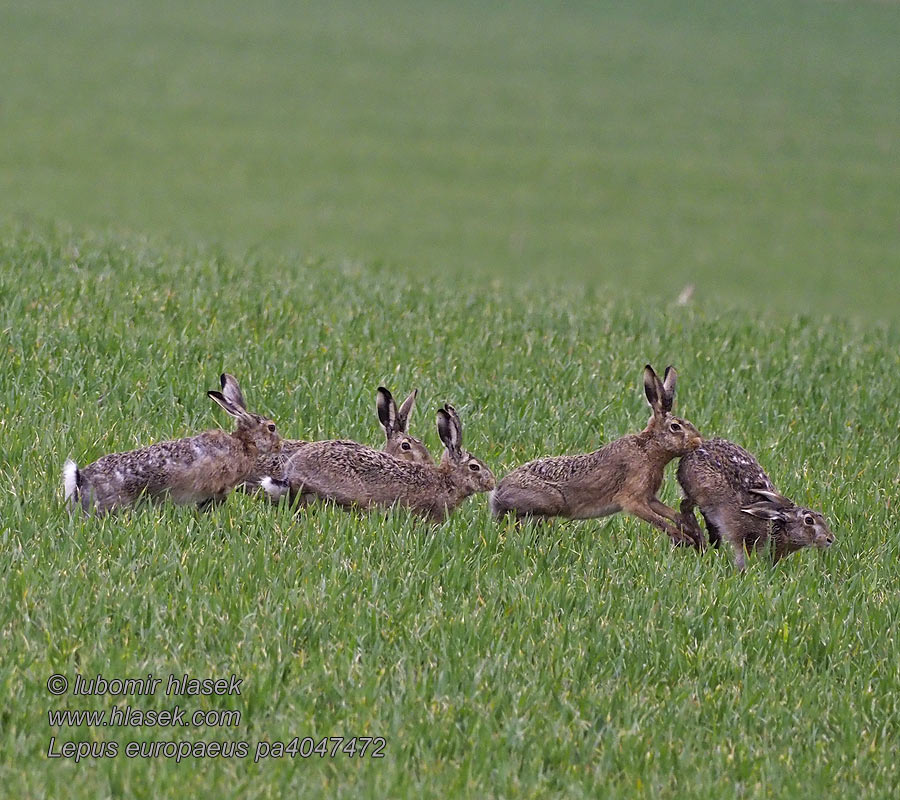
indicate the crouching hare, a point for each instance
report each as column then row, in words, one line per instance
column 624, row 475
column 353, row 475
column 739, row 503
column 200, row 469
column 398, row 443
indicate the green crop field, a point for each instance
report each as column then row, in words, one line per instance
column 497, row 205
column 748, row 148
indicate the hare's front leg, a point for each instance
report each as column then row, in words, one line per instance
column 642, row 510
column 687, row 520
column 211, row 502
column 684, row 526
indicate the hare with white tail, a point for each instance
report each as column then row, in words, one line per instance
column 398, row 442
column 353, row 475
column 624, row 475
column 740, row 504
column 200, row 469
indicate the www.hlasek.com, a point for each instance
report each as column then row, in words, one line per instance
column 127, row 716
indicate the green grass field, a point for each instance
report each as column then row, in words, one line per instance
column 498, row 206
column 748, row 148
column 582, row 659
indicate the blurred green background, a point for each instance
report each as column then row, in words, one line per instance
column 749, row 149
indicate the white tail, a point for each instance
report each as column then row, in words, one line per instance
column 70, row 480
column 275, row 489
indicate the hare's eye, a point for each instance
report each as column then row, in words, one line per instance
column 809, row 520
column 405, row 446
column 271, row 427
column 474, row 467
column 674, row 427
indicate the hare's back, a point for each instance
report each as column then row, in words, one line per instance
column 351, row 473
column 721, row 468
column 210, row 459
column 557, row 469
column 346, row 460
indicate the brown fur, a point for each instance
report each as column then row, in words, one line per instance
column 625, row 475
column 395, row 423
column 740, row 504
column 398, row 442
column 353, row 475
column 200, row 469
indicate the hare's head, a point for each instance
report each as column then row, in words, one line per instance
column 798, row 527
column 252, row 428
column 396, row 428
column 473, row 474
column 674, row 435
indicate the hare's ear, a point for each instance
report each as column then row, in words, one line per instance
column 653, row 388
column 387, row 411
column 449, row 430
column 454, row 417
column 406, row 409
column 232, row 391
column 668, row 385
column 230, row 408
column 773, row 498
column 764, row 510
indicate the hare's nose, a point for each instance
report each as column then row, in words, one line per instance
column 829, row 540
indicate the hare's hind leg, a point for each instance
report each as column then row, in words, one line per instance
column 533, row 500
column 686, row 518
column 211, row 502
column 725, row 523
column 713, row 531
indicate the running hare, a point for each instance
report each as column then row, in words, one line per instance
column 201, row 469
column 625, row 475
column 739, row 503
column 351, row 474
column 398, row 442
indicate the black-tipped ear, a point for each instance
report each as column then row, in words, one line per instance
column 652, row 388
column 668, row 385
column 223, row 401
column 387, row 411
column 406, row 409
column 443, row 426
column 764, row 511
column 449, row 429
column 455, row 422
column 232, row 390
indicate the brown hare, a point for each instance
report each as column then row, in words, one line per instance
column 740, row 504
column 353, row 475
column 200, row 469
column 395, row 423
column 624, row 475
column 398, row 442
